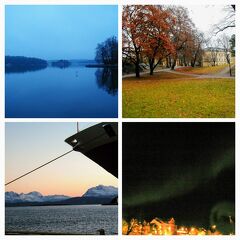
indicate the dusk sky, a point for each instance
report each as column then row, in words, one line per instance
column 29, row 145
column 58, row 32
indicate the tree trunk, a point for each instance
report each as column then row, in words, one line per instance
column 151, row 71
column 229, row 64
column 151, row 66
column 167, row 62
column 173, row 64
column 184, row 61
column 137, row 67
column 192, row 64
column 230, row 70
column 137, row 70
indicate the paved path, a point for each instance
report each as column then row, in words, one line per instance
column 143, row 73
column 225, row 72
column 222, row 74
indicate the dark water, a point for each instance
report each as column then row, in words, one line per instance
column 74, row 92
column 83, row 219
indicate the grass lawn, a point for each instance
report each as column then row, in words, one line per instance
column 202, row 70
column 166, row 95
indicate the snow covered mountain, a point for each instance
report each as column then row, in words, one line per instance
column 12, row 197
column 101, row 191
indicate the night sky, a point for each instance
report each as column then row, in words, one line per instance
column 180, row 170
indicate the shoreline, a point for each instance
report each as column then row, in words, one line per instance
column 51, row 233
column 101, row 66
column 49, row 205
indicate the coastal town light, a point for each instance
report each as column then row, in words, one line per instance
column 159, row 227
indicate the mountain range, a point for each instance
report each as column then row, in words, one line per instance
column 95, row 195
column 13, row 197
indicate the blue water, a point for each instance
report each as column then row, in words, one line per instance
column 74, row 92
column 81, row 219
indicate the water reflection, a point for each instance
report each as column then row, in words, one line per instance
column 107, row 79
column 61, row 67
column 76, row 91
column 23, row 69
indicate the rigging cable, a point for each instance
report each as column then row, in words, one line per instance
column 35, row 169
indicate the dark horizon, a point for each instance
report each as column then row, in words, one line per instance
column 49, row 60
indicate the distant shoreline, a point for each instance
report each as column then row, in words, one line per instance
column 47, row 205
column 101, row 66
column 48, row 233
column 42, row 233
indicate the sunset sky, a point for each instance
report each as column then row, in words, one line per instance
column 29, row 145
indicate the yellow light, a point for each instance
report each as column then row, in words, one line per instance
column 159, row 227
column 214, row 227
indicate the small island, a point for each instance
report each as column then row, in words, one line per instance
column 61, row 63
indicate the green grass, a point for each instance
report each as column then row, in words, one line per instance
column 174, row 97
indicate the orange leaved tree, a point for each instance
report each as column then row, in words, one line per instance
column 133, row 20
column 157, row 43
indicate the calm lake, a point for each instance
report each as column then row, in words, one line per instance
column 73, row 92
column 81, row 219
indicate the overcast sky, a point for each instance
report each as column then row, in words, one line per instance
column 28, row 145
column 58, row 32
column 205, row 16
